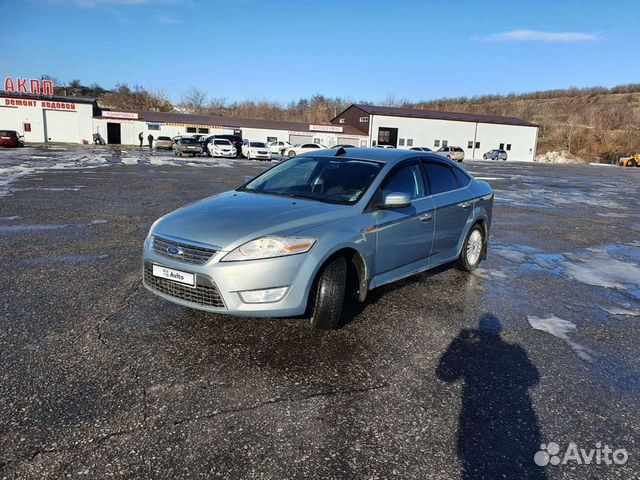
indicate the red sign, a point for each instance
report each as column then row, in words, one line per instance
column 18, row 102
column 28, row 85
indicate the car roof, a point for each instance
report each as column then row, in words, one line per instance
column 384, row 155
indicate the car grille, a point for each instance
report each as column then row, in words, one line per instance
column 193, row 254
column 205, row 293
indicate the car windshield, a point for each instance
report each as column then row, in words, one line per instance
column 222, row 142
column 325, row 179
column 257, row 144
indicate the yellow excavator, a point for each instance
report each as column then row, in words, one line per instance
column 633, row 161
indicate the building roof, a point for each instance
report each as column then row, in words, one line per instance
column 47, row 98
column 435, row 115
column 237, row 122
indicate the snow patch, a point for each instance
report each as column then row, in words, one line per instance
column 560, row 328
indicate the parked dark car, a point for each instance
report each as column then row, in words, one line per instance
column 187, row 145
column 496, row 154
column 10, row 139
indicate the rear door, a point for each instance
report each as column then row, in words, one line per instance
column 453, row 209
column 404, row 234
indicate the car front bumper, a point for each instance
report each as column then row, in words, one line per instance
column 228, row 279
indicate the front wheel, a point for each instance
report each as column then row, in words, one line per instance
column 329, row 295
column 291, row 154
column 472, row 250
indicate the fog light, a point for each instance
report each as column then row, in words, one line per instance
column 269, row 295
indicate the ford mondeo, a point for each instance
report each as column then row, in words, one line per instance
column 318, row 230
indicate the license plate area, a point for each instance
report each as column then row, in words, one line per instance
column 184, row 278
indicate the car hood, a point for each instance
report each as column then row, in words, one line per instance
column 233, row 218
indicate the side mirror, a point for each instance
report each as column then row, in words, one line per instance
column 396, row 200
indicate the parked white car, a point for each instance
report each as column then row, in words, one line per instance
column 278, row 147
column 256, row 150
column 221, row 147
column 304, row 148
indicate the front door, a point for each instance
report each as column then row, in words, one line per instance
column 404, row 235
column 113, row 133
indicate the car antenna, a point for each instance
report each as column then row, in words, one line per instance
column 341, row 151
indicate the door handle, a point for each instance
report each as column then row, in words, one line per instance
column 426, row 217
column 464, row 204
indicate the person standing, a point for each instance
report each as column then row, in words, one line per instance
column 141, row 138
column 150, row 138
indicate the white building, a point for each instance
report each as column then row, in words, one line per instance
column 47, row 118
column 475, row 134
column 118, row 127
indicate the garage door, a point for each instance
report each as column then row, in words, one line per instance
column 348, row 141
column 300, row 139
column 9, row 118
column 61, row 126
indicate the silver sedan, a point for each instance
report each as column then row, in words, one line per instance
column 318, row 230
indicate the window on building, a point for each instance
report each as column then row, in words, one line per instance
column 445, row 143
column 409, row 142
column 316, row 141
column 508, row 146
column 27, row 127
column 436, row 143
column 477, row 144
column 384, row 136
column 441, row 178
column 502, row 146
column 191, row 129
column 401, row 142
column 470, row 144
column 342, row 120
column 363, row 143
column 272, row 139
column 364, row 119
column 153, row 126
column 203, row 130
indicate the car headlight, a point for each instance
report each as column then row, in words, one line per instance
column 270, row 247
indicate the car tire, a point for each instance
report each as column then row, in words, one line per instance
column 632, row 163
column 329, row 295
column 248, row 155
column 472, row 249
column 484, row 157
column 291, row 154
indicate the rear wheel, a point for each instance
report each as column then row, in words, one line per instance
column 632, row 163
column 472, row 249
column 291, row 154
column 329, row 295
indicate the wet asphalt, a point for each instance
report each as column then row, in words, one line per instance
column 438, row 376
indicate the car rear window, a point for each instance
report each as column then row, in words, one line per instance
column 458, row 149
column 9, row 133
column 441, row 178
column 164, row 138
column 188, row 140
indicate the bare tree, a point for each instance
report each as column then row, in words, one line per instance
column 195, row 100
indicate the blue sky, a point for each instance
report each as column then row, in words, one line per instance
column 365, row 50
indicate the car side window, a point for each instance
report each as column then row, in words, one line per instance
column 407, row 179
column 440, row 177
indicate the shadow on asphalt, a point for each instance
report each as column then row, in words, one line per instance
column 498, row 431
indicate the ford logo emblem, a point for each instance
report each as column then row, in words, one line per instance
column 175, row 251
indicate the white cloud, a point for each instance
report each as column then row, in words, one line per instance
column 537, row 36
column 167, row 20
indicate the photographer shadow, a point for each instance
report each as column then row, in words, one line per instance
column 498, row 431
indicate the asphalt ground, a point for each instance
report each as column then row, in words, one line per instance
column 443, row 375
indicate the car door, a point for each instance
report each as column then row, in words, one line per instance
column 404, row 235
column 453, row 208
